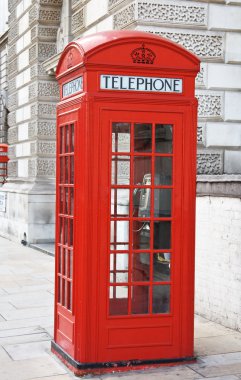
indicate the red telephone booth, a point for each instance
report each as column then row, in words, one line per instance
column 126, row 165
column 3, row 163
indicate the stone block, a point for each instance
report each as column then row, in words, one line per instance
column 78, row 21
column 23, row 149
column 209, row 162
column 232, row 162
column 23, row 96
column 232, row 52
column 23, row 132
column 23, row 23
column 23, row 78
column 23, row 168
column 206, row 45
column 223, row 134
column 210, row 105
column 232, row 106
column 222, row 17
column 95, row 10
column 224, row 76
column 106, row 24
column 23, row 113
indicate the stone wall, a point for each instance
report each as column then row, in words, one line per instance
column 3, row 88
column 218, row 264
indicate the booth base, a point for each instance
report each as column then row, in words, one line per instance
column 82, row 369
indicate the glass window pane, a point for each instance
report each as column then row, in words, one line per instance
column 162, row 202
column 72, row 169
column 141, row 234
column 142, row 137
column 142, row 171
column 120, row 137
column 120, row 170
column 163, row 171
column 120, row 202
column 163, row 136
column 119, row 261
column 61, row 139
column 119, row 234
column 140, row 267
column 140, row 299
column 67, row 139
column 161, row 266
column 161, row 299
column 72, row 138
column 141, row 202
column 162, row 235
column 71, row 200
column 118, row 300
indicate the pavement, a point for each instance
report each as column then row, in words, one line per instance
column 26, row 329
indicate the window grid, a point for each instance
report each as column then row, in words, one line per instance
column 66, row 216
column 130, row 284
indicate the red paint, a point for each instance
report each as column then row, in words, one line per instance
column 3, row 163
column 88, row 326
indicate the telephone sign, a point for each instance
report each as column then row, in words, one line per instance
column 125, row 211
column 133, row 83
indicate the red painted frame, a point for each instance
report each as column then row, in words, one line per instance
column 3, row 163
column 83, row 334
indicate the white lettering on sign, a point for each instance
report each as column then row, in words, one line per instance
column 3, row 202
column 133, row 83
column 72, row 87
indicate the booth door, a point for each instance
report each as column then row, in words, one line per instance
column 140, row 288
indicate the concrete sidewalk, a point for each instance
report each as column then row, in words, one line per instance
column 26, row 328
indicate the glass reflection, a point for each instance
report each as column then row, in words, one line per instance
column 162, row 202
column 140, row 267
column 162, row 235
column 163, row 136
column 118, row 302
column 142, row 170
column 141, row 234
column 120, row 170
column 142, row 137
column 141, row 202
column 163, row 171
column 140, row 299
column 120, row 137
column 120, row 202
column 161, row 266
column 161, row 299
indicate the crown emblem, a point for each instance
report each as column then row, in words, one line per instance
column 143, row 55
column 69, row 59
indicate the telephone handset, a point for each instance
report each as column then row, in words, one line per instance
column 145, row 198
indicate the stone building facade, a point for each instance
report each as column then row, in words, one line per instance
column 211, row 29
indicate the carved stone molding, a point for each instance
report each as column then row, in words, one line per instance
column 12, row 135
column 169, row 12
column 11, row 52
column 12, row 33
column 114, row 3
column 201, row 77
column 46, row 167
column 12, row 17
column 13, row 67
column 12, row 5
column 125, row 17
column 12, row 102
column 209, row 163
column 11, row 85
column 32, row 168
column 12, row 168
column 162, row 12
column 43, row 110
column 201, row 131
column 12, row 119
column 33, row 14
column 47, row 32
column 50, row 89
column 34, row 32
column 210, row 105
column 42, row 129
column 51, row 2
column 51, row 16
column 78, row 21
column 46, row 148
column 12, row 151
column 46, row 50
column 208, row 46
column 33, row 53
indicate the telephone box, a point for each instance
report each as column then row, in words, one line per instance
column 126, row 166
column 3, row 163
